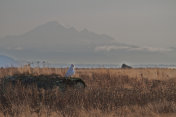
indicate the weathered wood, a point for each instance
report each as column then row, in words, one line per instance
column 45, row 81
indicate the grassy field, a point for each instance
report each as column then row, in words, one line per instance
column 109, row 93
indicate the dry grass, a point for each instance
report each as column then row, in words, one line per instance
column 109, row 93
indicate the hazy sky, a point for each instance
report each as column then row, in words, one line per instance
column 139, row 22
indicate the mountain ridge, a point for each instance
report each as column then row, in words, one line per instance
column 55, row 42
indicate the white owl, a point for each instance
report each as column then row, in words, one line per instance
column 71, row 71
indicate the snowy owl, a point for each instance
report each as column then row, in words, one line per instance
column 70, row 71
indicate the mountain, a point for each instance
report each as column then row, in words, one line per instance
column 6, row 61
column 54, row 42
column 55, row 36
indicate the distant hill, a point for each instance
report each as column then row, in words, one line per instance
column 6, row 61
column 54, row 42
column 52, row 36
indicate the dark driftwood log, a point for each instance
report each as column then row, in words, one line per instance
column 45, row 81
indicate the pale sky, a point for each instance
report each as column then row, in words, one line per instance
column 138, row 22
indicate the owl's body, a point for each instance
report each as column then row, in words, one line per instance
column 71, row 71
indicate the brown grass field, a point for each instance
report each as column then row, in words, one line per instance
column 109, row 93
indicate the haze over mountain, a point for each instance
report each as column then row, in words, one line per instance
column 57, row 43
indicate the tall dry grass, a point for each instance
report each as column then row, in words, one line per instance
column 109, row 93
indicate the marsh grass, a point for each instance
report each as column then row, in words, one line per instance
column 109, row 93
